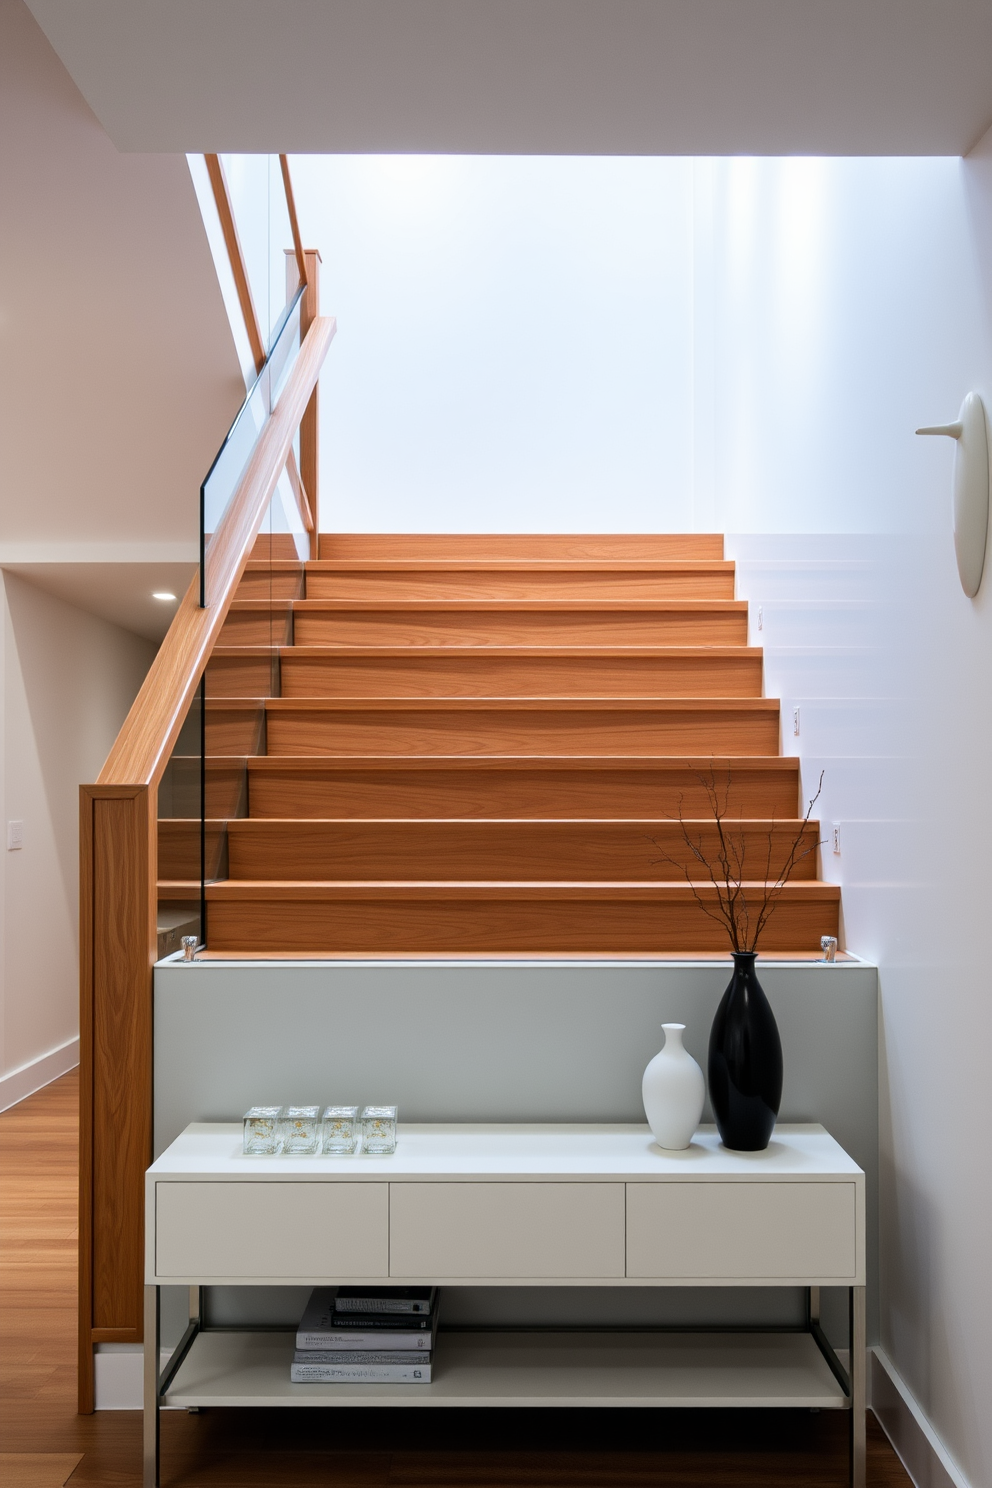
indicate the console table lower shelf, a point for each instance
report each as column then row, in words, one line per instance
column 674, row 1370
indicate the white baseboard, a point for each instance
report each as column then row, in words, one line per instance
column 118, row 1376
column 18, row 1084
column 904, row 1422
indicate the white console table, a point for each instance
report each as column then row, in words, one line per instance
column 488, row 1205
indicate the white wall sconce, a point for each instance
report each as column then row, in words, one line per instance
column 971, row 489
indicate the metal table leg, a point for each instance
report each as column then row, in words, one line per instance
column 150, row 1427
column 859, row 1359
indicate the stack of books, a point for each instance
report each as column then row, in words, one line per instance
column 366, row 1336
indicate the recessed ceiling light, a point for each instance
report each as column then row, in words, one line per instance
column 162, row 594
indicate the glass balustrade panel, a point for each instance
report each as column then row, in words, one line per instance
column 225, row 474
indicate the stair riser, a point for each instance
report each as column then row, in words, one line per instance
column 433, row 546
column 179, row 849
column 502, row 851
column 258, row 628
column 546, row 927
column 565, row 792
column 502, row 676
column 610, row 732
column 275, row 545
column 367, row 584
column 226, row 789
column 235, row 731
column 520, row 629
column 276, row 585
column 243, row 676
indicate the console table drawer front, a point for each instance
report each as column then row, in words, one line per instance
column 742, row 1231
column 500, row 1231
column 277, row 1230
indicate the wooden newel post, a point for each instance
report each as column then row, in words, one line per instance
column 118, row 946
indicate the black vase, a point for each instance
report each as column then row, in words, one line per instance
column 745, row 1062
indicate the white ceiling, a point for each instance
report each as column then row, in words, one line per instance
column 700, row 77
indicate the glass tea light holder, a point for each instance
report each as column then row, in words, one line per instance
column 262, row 1137
column 300, row 1130
column 341, row 1129
column 378, row 1130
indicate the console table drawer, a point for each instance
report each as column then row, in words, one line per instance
column 742, row 1231
column 277, row 1230
column 500, row 1231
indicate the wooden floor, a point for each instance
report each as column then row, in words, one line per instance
column 230, row 1449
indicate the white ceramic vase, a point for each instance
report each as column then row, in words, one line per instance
column 673, row 1091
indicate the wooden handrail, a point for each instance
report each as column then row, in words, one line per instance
column 242, row 284
column 142, row 748
column 294, row 226
column 299, row 491
column 236, row 257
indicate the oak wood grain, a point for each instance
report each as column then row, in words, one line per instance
column 236, row 257
column 271, row 579
column 464, row 786
column 475, row 726
column 258, row 622
column 118, row 945
column 315, row 918
column 275, row 548
column 310, row 422
column 294, row 226
column 500, row 672
column 235, row 726
column 501, row 623
column 485, row 850
column 556, row 546
column 243, row 671
column 531, row 580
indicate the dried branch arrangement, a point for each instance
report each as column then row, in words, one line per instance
column 743, row 907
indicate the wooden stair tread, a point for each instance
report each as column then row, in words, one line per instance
column 804, row 890
column 550, row 544
column 416, row 654
column 503, row 704
column 336, row 764
column 480, row 848
column 512, row 605
column 434, row 786
column 473, row 671
column 518, row 565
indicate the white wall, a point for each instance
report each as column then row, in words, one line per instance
column 835, row 306
column 68, row 679
column 844, row 303
column 514, row 342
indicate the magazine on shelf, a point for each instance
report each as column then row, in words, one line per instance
column 416, row 1372
column 410, row 1300
column 359, row 1358
column 322, row 1328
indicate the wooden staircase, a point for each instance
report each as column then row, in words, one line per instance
column 481, row 745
